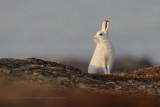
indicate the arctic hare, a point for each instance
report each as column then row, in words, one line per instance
column 104, row 53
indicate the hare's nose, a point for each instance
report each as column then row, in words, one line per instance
column 94, row 37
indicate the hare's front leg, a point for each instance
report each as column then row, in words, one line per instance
column 109, row 65
column 105, row 71
column 108, row 69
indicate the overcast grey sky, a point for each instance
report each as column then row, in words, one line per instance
column 66, row 27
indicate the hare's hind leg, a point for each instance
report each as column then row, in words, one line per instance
column 91, row 69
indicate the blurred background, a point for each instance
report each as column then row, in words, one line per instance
column 62, row 30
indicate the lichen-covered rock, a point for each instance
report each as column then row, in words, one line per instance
column 52, row 74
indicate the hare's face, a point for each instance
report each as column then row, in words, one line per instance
column 99, row 37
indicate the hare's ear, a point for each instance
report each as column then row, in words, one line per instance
column 105, row 25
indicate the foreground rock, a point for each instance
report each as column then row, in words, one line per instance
column 51, row 74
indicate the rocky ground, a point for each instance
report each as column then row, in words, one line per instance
column 34, row 72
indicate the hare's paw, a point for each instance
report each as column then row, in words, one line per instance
column 92, row 69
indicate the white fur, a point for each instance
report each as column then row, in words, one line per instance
column 104, row 52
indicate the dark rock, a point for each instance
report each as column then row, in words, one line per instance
column 144, row 81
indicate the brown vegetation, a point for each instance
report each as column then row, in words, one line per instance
column 35, row 82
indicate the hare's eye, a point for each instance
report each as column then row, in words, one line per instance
column 100, row 34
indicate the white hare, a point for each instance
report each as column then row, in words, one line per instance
column 104, row 52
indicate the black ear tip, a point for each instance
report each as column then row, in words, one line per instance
column 106, row 21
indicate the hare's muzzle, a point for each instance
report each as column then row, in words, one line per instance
column 94, row 37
